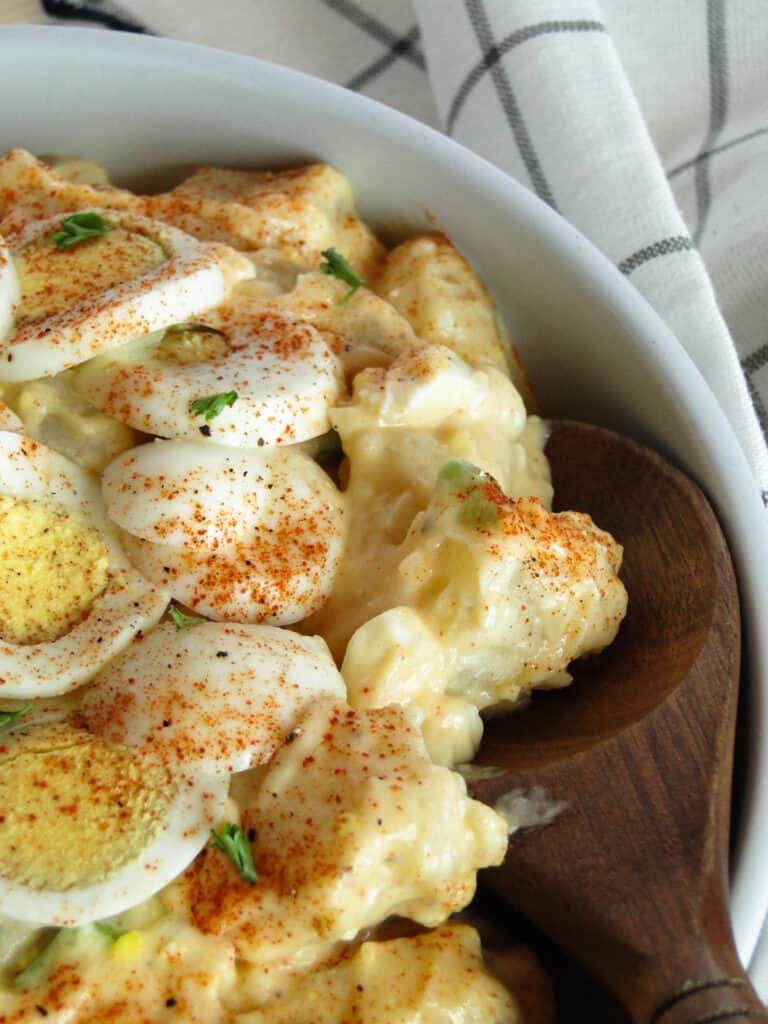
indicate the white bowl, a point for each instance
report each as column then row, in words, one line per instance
column 593, row 348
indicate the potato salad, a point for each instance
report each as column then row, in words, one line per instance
column 275, row 532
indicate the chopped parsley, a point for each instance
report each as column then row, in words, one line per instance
column 9, row 717
column 337, row 266
column 212, row 405
column 234, row 842
column 182, row 621
column 77, row 228
column 462, row 479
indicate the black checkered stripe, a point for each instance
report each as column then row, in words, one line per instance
column 395, row 47
column 102, row 12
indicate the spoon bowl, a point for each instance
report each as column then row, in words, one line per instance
column 631, row 877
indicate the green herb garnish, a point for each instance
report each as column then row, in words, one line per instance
column 234, row 842
column 79, row 228
column 211, row 406
column 462, row 479
column 9, row 717
column 337, row 266
column 182, row 621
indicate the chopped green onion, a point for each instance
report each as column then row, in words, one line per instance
column 468, row 482
column 234, row 842
column 477, row 510
column 9, row 717
column 111, row 931
column 182, row 621
column 459, row 474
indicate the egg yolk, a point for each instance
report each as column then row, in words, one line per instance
column 53, row 566
column 191, row 343
column 53, row 281
column 75, row 811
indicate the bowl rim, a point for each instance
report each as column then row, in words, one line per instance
column 728, row 481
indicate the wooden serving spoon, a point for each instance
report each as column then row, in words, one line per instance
column 631, row 877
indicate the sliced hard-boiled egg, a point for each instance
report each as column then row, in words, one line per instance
column 9, row 290
column 88, row 829
column 69, row 598
column 237, row 534
column 211, row 697
column 129, row 277
column 283, row 374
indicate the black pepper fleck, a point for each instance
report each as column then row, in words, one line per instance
column 205, row 430
column 170, row 1001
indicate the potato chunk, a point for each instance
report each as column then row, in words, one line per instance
column 31, row 190
column 299, row 212
column 401, row 426
column 428, row 280
column 436, row 977
column 350, row 824
column 489, row 597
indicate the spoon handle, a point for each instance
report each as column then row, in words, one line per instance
column 729, row 999
column 696, row 976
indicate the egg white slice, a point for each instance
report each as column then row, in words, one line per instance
column 282, row 371
column 211, row 697
column 129, row 603
column 146, row 838
column 9, row 289
column 191, row 276
column 187, row 493
column 272, row 558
